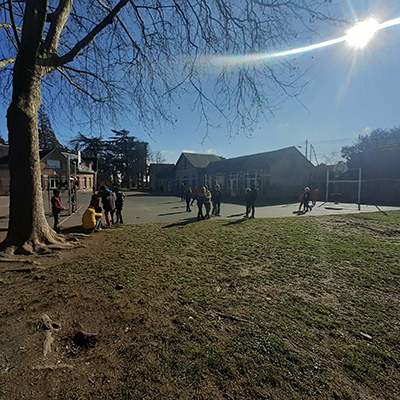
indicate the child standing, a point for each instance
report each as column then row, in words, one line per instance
column 56, row 207
column 119, row 204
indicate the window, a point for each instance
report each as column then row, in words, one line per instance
column 54, row 183
column 251, row 178
column 56, row 164
column 219, row 179
column 233, row 180
column 85, row 182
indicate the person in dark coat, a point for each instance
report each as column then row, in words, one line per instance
column 108, row 203
column 251, row 198
column 306, row 199
column 182, row 191
column 216, row 200
column 188, row 198
column 200, row 202
column 119, row 204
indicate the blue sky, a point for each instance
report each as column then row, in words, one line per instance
column 350, row 92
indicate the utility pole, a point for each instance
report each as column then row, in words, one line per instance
column 69, row 183
column 306, row 149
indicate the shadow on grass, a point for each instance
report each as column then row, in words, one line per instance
column 235, row 215
column 181, row 223
column 237, row 221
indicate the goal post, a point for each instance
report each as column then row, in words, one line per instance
column 340, row 169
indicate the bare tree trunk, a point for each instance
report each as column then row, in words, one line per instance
column 28, row 227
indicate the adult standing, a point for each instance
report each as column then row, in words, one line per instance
column 188, row 195
column 108, row 203
column 119, row 204
column 251, row 198
column 195, row 194
column 200, row 202
column 182, row 191
column 217, row 198
column 207, row 202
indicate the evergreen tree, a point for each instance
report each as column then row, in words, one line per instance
column 47, row 137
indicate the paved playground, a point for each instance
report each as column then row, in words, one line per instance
column 144, row 207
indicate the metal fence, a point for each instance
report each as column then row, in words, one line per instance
column 71, row 202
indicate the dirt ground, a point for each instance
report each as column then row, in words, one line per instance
column 41, row 287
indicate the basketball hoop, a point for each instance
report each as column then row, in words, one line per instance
column 340, row 168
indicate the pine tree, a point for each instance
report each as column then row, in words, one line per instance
column 47, row 137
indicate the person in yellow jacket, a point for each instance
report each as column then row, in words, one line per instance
column 91, row 219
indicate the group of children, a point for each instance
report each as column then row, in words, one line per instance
column 112, row 202
column 204, row 198
column 307, row 197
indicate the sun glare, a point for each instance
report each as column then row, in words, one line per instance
column 360, row 35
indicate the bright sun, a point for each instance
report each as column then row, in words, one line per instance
column 362, row 33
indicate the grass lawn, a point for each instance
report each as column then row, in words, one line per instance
column 289, row 308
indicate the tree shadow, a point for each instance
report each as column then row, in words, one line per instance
column 181, row 223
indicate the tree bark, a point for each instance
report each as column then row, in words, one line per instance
column 28, row 227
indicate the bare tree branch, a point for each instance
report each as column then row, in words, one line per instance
column 58, row 20
column 74, row 84
column 5, row 25
column 91, row 35
column 6, row 61
column 99, row 78
column 14, row 26
column 135, row 45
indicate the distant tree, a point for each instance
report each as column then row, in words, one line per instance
column 379, row 139
column 128, row 157
column 89, row 146
column 47, row 137
column 156, row 157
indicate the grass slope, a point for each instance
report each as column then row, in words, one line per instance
column 289, row 308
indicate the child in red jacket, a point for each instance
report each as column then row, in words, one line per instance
column 56, row 208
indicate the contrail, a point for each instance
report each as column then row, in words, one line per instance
column 250, row 58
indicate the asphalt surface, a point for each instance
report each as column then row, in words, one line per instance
column 144, row 207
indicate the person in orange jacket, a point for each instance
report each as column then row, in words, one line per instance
column 91, row 219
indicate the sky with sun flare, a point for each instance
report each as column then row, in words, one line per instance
column 353, row 87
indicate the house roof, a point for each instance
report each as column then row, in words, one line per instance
column 200, row 160
column 158, row 168
column 166, row 172
column 253, row 161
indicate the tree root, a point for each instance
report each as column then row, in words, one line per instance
column 52, row 367
column 49, row 326
column 35, row 246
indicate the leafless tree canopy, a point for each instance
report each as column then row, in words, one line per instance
column 109, row 58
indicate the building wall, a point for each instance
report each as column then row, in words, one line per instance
column 187, row 174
